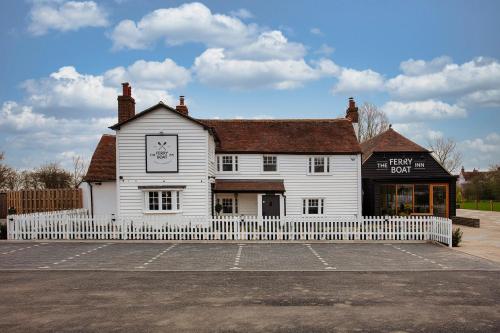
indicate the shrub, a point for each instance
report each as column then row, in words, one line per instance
column 456, row 237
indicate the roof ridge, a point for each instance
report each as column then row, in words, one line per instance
column 275, row 120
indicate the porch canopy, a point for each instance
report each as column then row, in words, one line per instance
column 249, row 186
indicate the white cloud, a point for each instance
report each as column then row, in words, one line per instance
column 325, row 50
column 242, row 13
column 192, row 22
column 481, row 152
column 422, row 110
column 419, row 132
column 269, row 45
column 316, row 31
column 351, row 80
column 29, row 134
column 67, row 88
column 413, row 67
column 452, row 80
column 213, row 67
column 488, row 98
column 150, row 74
column 65, row 16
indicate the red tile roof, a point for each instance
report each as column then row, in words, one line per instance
column 103, row 164
column 286, row 136
column 388, row 142
column 290, row 136
column 249, row 185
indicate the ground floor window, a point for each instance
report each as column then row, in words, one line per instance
column 313, row 206
column 162, row 201
column 229, row 205
column 414, row 199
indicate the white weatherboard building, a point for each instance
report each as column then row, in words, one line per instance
column 162, row 161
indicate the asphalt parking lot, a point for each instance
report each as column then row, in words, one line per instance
column 247, row 287
column 124, row 256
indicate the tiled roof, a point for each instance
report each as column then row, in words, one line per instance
column 291, row 136
column 103, row 164
column 389, row 141
column 249, row 185
column 287, row 136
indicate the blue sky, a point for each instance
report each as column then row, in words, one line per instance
column 432, row 66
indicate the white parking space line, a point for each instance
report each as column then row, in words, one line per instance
column 23, row 248
column 323, row 261
column 156, row 256
column 420, row 257
column 76, row 255
column 238, row 257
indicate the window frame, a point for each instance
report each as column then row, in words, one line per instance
column 234, row 163
column 175, row 201
column 327, row 165
column 263, row 164
column 306, row 205
column 234, row 204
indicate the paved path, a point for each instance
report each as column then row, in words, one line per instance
column 484, row 241
column 123, row 256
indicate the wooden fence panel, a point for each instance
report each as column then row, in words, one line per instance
column 34, row 201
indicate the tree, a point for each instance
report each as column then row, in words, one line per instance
column 79, row 170
column 8, row 175
column 52, row 176
column 372, row 121
column 445, row 151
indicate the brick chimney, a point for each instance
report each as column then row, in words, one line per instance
column 182, row 108
column 126, row 103
column 353, row 115
column 352, row 111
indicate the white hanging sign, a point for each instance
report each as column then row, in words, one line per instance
column 162, row 153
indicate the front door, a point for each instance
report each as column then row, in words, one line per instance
column 439, row 200
column 270, row 205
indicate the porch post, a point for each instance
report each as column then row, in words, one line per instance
column 282, row 205
column 259, row 205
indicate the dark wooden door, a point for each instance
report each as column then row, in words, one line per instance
column 3, row 205
column 270, row 205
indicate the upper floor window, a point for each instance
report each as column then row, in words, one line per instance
column 319, row 165
column 227, row 163
column 313, row 206
column 162, row 201
column 269, row 163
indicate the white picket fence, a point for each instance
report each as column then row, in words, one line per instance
column 78, row 225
